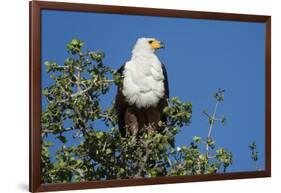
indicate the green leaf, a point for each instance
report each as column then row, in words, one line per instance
column 108, row 151
column 196, row 139
column 75, row 46
column 99, row 134
column 48, row 143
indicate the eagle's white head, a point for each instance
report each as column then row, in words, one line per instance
column 143, row 84
column 147, row 45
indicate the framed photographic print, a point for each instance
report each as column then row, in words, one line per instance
column 123, row 96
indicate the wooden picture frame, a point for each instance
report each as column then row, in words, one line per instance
column 35, row 93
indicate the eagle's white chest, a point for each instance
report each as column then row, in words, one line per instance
column 143, row 83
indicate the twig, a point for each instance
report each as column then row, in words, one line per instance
column 52, row 131
column 212, row 118
column 104, row 146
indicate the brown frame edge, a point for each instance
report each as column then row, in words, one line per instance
column 35, row 8
column 35, row 96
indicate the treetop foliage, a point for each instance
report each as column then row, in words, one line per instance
column 74, row 106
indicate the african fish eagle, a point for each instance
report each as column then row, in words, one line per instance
column 144, row 91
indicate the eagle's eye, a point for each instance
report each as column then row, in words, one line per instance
column 150, row 41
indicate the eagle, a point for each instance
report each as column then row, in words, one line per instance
column 143, row 93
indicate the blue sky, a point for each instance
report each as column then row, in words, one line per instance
column 200, row 56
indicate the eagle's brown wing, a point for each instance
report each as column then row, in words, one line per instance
column 164, row 101
column 121, row 105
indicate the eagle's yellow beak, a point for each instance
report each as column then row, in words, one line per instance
column 155, row 44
